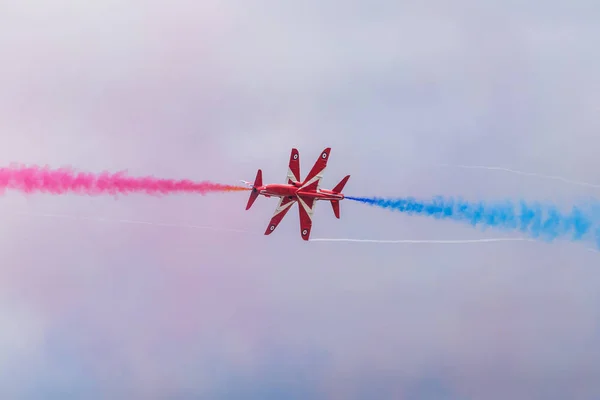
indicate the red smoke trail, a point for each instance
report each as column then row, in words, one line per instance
column 65, row 180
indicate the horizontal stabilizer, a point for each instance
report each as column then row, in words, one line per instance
column 335, row 204
column 340, row 186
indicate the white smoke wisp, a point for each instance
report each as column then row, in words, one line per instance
column 136, row 222
column 414, row 241
column 534, row 174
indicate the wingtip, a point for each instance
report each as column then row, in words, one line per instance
column 305, row 234
column 326, row 153
column 270, row 229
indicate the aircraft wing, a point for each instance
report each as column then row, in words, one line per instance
column 285, row 203
column 306, row 207
column 313, row 179
column 293, row 174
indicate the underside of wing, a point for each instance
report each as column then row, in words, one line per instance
column 306, row 207
column 313, row 179
column 293, row 174
column 282, row 208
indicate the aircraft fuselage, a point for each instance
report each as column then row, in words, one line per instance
column 282, row 190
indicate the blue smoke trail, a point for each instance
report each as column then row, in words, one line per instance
column 544, row 222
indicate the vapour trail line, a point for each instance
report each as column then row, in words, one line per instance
column 425, row 241
column 539, row 221
column 138, row 222
column 211, row 228
column 524, row 173
column 36, row 179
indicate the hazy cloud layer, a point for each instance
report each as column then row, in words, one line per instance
column 215, row 90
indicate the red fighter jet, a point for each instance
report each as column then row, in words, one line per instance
column 306, row 193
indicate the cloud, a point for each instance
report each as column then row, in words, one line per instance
column 219, row 89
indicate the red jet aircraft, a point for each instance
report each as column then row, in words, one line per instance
column 306, row 193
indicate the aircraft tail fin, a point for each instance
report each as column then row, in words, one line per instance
column 254, row 193
column 340, row 186
column 335, row 204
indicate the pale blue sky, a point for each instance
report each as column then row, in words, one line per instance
column 216, row 89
